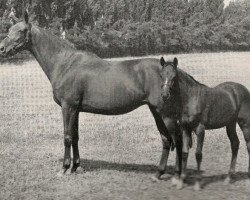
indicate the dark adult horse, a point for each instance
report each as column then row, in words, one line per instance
column 199, row 107
column 83, row 82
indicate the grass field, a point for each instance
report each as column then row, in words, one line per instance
column 119, row 153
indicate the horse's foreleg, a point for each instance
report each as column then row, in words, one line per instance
column 69, row 120
column 75, row 138
column 200, row 132
column 166, row 143
column 175, row 133
column 234, row 140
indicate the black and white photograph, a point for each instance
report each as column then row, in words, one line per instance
column 125, row 99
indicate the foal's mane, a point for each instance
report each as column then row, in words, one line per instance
column 188, row 78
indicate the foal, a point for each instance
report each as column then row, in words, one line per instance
column 198, row 107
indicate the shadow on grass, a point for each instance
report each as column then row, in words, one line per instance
column 95, row 165
column 238, row 176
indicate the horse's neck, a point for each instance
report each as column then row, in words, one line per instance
column 46, row 50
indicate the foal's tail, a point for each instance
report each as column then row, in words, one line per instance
column 172, row 146
column 191, row 141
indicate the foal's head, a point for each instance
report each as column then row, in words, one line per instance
column 169, row 76
column 17, row 39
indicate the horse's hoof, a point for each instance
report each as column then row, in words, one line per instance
column 179, row 184
column 155, row 179
column 197, row 187
column 174, row 181
column 227, row 181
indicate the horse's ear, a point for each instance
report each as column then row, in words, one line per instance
column 162, row 62
column 26, row 17
column 175, row 62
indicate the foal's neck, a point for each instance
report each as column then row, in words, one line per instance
column 189, row 88
column 48, row 49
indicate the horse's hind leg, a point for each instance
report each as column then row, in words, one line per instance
column 234, row 140
column 166, row 143
column 200, row 132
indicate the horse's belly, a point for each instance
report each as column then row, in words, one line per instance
column 108, row 104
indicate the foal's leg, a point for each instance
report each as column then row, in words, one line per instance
column 200, row 132
column 75, row 138
column 166, row 143
column 245, row 127
column 234, row 140
column 244, row 123
column 186, row 138
column 69, row 120
column 178, row 166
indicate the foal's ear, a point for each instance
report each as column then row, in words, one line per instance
column 162, row 62
column 26, row 17
column 175, row 62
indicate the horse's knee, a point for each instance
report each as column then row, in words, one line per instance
column 166, row 142
column 67, row 140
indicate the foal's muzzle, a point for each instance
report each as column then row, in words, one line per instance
column 165, row 93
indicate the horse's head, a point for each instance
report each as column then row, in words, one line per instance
column 17, row 39
column 169, row 77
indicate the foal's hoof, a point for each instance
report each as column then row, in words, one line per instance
column 78, row 170
column 179, row 184
column 155, row 179
column 197, row 187
column 227, row 181
column 174, row 181
column 61, row 173
column 74, row 168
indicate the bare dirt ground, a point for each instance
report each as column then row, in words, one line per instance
column 119, row 153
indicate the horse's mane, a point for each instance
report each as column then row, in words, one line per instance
column 64, row 43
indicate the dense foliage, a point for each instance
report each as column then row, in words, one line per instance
column 128, row 27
